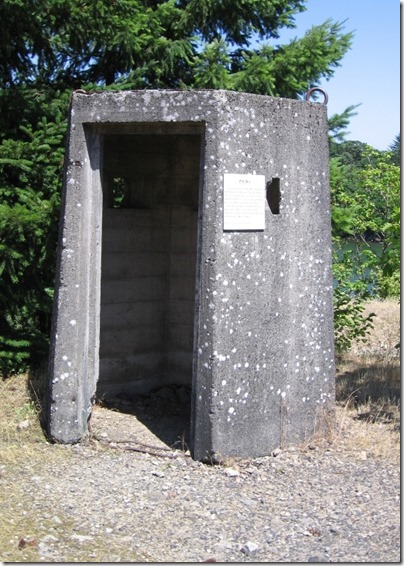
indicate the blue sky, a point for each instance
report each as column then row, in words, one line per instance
column 370, row 72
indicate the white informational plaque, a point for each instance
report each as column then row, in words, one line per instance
column 244, row 202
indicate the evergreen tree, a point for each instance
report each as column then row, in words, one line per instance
column 163, row 43
column 395, row 149
column 48, row 48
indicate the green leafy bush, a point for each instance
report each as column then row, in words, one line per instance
column 354, row 283
column 365, row 193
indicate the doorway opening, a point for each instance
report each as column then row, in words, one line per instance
column 151, row 178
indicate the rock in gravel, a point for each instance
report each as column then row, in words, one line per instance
column 49, row 538
column 81, row 538
column 250, row 547
column 158, row 474
column 232, row 473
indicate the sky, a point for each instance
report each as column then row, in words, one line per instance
column 370, row 72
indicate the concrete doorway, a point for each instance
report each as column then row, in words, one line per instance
column 151, row 185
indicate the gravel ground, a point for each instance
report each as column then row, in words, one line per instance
column 110, row 502
column 127, row 496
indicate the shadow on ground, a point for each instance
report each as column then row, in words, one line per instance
column 375, row 390
column 162, row 415
column 164, row 411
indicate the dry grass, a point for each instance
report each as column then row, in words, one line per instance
column 385, row 335
column 362, row 439
column 372, row 386
column 368, row 376
column 20, row 423
column 368, row 388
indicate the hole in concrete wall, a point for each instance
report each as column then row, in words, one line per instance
column 274, row 195
column 119, row 192
column 149, row 255
column 128, row 193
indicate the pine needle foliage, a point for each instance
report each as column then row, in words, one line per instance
column 52, row 47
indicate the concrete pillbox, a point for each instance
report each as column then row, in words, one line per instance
column 195, row 248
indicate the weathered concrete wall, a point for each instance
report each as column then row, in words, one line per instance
column 263, row 367
column 272, row 351
column 73, row 359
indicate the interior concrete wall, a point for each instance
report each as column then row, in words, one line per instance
column 148, row 261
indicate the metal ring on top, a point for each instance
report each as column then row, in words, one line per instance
column 317, row 89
